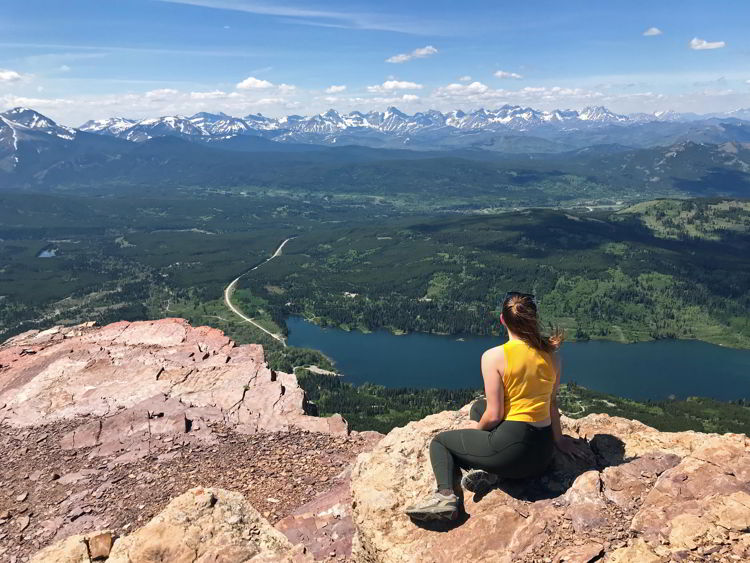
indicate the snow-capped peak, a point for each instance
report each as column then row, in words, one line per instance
column 111, row 126
column 34, row 120
column 601, row 115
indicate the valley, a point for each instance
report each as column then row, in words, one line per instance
column 620, row 244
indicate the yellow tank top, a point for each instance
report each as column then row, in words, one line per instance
column 528, row 381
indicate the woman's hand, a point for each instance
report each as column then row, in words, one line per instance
column 570, row 448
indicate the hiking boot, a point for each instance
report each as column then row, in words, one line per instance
column 479, row 482
column 436, row 507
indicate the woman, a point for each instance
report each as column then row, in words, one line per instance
column 515, row 430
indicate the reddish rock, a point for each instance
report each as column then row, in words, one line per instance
column 137, row 381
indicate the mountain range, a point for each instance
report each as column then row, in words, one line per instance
column 655, row 154
column 544, row 131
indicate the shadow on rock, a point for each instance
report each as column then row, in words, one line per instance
column 442, row 525
column 603, row 450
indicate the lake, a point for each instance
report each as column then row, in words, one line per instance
column 645, row 370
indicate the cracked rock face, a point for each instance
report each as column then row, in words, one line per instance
column 639, row 495
column 201, row 525
column 129, row 382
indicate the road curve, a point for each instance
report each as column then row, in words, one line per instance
column 229, row 290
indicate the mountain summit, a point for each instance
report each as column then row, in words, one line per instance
column 111, row 436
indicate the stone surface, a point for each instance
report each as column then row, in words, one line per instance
column 101, row 427
column 134, row 381
column 638, row 495
column 199, row 526
column 276, row 472
column 323, row 526
column 100, row 545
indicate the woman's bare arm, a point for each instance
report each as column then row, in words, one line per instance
column 493, row 366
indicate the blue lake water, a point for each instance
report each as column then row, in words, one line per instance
column 646, row 370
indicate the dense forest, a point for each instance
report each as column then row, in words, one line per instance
column 608, row 275
column 373, row 407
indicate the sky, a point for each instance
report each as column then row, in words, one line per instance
column 75, row 60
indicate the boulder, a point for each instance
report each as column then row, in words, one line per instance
column 201, row 525
column 638, row 495
column 131, row 381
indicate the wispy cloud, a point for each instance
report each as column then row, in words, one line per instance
column 393, row 85
column 161, row 94
column 504, row 75
column 213, row 95
column 7, row 76
column 419, row 53
column 311, row 16
column 652, row 31
column 334, row 89
column 465, row 78
column 702, row 44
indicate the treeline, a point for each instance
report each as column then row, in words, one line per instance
column 374, row 407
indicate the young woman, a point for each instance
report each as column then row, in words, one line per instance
column 516, row 428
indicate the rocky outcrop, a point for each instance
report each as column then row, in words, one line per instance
column 638, row 495
column 130, row 383
column 101, row 427
column 201, row 525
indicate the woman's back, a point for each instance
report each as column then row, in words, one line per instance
column 528, row 381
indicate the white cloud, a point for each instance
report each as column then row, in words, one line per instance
column 420, row 53
column 334, row 89
column 465, row 78
column 215, row 95
column 391, row 85
column 702, row 44
column 7, row 75
column 652, row 31
column 457, row 89
column 41, row 104
column 503, row 74
column 252, row 83
column 161, row 94
column 747, row 81
column 269, row 101
column 409, row 97
column 64, row 68
column 286, row 88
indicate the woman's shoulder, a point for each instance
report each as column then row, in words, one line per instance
column 495, row 352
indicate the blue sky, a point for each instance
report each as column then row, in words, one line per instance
column 81, row 59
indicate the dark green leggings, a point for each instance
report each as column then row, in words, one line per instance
column 511, row 450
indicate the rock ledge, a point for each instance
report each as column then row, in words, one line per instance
column 641, row 495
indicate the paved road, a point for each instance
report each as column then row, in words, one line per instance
column 229, row 290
